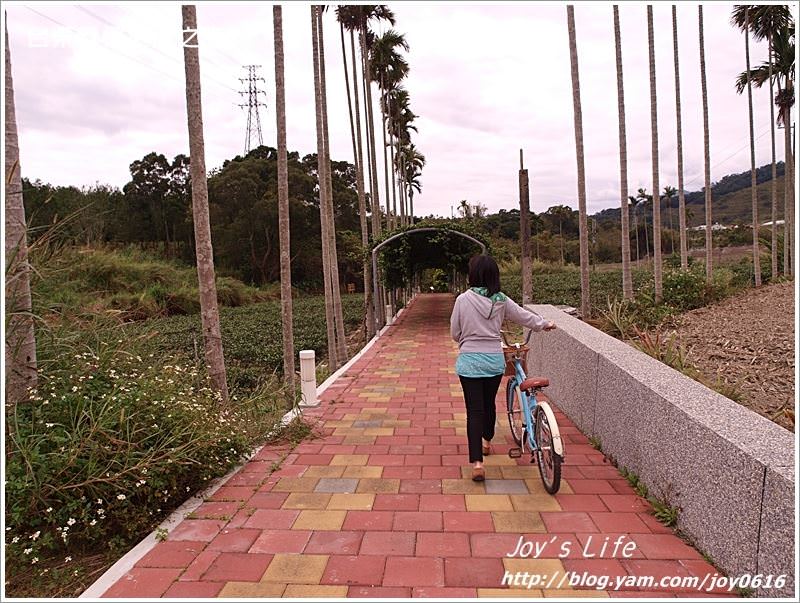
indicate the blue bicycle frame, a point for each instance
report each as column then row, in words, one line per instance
column 526, row 407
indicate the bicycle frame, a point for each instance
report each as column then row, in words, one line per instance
column 526, row 407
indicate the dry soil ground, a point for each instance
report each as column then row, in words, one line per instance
column 748, row 340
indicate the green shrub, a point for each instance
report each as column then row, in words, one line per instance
column 684, row 289
column 110, row 443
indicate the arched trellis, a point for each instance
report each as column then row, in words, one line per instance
column 376, row 291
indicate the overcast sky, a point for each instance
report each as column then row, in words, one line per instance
column 94, row 92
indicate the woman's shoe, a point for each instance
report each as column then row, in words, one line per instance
column 487, row 449
column 478, row 474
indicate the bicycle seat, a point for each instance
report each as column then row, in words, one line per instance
column 534, row 383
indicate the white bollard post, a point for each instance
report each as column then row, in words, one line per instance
column 308, row 379
column 389, row 315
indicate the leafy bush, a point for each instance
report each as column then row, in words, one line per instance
column 110, row 443
column 684, row 289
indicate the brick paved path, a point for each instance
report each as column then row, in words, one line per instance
column 381, row 506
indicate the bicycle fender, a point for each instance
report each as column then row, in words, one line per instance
column 558, row 445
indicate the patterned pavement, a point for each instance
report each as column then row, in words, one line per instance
column 381, row 504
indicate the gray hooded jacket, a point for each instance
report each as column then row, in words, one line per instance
column 476, row 321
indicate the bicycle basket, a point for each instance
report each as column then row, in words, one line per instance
column 510, row 353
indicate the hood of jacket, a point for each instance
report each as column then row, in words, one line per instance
column 483, row 305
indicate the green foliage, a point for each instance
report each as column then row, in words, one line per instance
column 251, row 335
column 127, row 283
column 418, row 251
column 112, row 441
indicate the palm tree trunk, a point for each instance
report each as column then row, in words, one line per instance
column 706, row 149
column 21, row 368
column 646, row 233
column 525, row 232
column 582, row 226
column 774, row 183
column 627, row 283
column 753, row 189
column 341, row 340
column 403, row 221
column 681, row 197
column 391, row 217
column 209, row 310
column 788, row 192
column 283, row 205
column 369, row 311
column 654, row 151
column 325, row 219
column 376, row 203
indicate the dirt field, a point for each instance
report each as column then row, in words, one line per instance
column 748, row 340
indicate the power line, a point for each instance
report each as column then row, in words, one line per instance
column 736, row 152
column 150, row 46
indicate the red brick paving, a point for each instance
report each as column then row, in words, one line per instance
column 394, row 424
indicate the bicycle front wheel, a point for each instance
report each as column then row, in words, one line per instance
column 549, row 462
column 516, row 418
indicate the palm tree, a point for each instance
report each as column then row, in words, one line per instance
column 582, row 226
column 355, row 132
column 389, row 67
column 341, row 341
column 706, row 148
column 20, row 337
column 283, row 204
column 681, row 197
column 745, row 27
column 413, row 161
column 654, row 151
column 644, row 199
column 627, row 283
column 634, row 202
column 775, row 23
column 325, row 218
column 669, row 193
column 209, row 311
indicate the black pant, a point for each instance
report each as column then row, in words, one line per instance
column 479, row 395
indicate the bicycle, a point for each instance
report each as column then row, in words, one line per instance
column 532, row 422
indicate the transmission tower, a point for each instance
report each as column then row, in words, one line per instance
column 252, row 104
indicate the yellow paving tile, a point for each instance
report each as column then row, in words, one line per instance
column 358, row 439
column 514, row 472
column 378, row 485
column 534, row 502
column 553, row 569
column 517, row 522
column 319, row 520
column 379, row 431
column 251, row 590
column 340, row 423
column 354, row 502
column 363, row 471
column 292, row 568
column 499, row 459
column 462, row 486
column 324, row 471
column 498, row 593
column 491, row 472
column 565, row 488
column 349, row 459
column 451, row 423
column 296, row 484
column 347, row 431
column 307, row 500
column 375, row 410
column 488, row 502
column 315, row 591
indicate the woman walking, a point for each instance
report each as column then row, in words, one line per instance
column 475, row 325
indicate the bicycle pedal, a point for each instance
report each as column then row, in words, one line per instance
column 515, row 453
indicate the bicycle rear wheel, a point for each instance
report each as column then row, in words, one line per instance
column 516, row 418
column 549, row 462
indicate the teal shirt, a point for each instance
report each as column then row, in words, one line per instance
column 479, row 364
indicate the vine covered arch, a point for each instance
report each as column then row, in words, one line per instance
column 401, row 255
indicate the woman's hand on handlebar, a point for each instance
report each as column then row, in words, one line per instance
column 549, row 326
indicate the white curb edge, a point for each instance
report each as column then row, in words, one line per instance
column 148, row 543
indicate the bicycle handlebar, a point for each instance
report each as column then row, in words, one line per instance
column 510, row 345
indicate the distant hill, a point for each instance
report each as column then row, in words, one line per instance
column 730, row 199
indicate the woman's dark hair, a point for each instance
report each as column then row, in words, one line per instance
column 483, row 272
